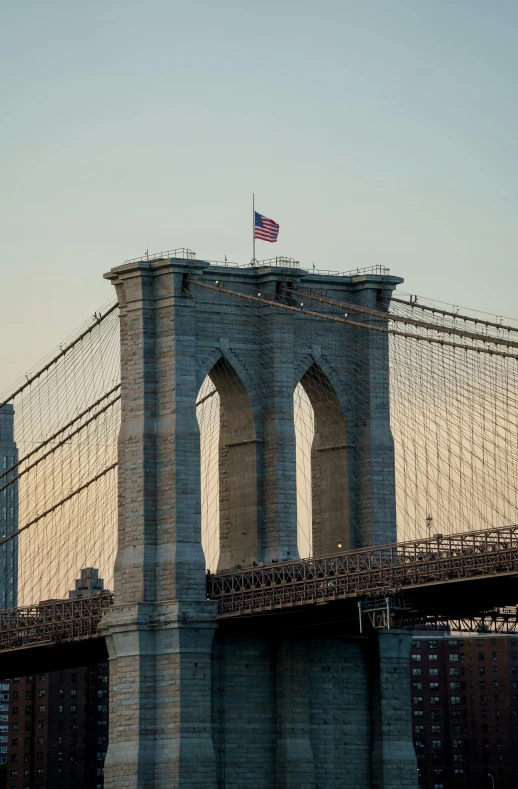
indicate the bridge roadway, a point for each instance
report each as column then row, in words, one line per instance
column 455, row 577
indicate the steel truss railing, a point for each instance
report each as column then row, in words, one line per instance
column 368, row 571
column 53, row 622
column 503, row 620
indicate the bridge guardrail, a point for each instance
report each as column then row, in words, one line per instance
column 52, row 622
column 365, row 571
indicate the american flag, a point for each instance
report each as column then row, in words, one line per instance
column 264, row 228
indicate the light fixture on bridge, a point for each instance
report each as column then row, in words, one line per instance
column 339, row 544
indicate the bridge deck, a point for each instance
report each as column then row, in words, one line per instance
column 416, row 566
column 370, row 571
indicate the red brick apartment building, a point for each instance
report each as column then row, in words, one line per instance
column 464, row 696
column 58, row 729
column 54, row 726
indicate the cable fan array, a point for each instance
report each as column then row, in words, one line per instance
column 66, row 420
column 452, row 377
column 453, row 408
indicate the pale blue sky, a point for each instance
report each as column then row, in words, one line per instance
column 380, row 131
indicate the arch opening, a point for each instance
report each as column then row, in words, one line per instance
column 229, row 470
column 324, row 467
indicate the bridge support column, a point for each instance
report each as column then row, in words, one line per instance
column 372, row 472
column 160, row 631
column 295, row 764
column 394, row 764
column 279, row 484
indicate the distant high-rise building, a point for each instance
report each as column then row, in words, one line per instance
column 8, row 509
column 8, row 551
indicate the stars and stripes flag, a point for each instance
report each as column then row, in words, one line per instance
column 264, row 228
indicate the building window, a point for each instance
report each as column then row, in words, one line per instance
column 433, row 645
column 436, row 743
column 417, row 714
column 453, row 657
column 481, row 670
column 454, row 685
column 435, row 699
column 434, row 686
column 420, row 744
column 436, row 728
column 454, row 672
column 458, row 757
column 481, row 656
column 435, row 715
column 483, row 700
column 416, row 672
column 418, row 699
column 455, row 699
column 73, row 708
column 417, row 685
column 433, row 672
column 493, row 656
column 41, row 692
column 416, row 658
column 41, row 708
column 457, row 743
column 40, row 724
column 61, row 708
column 433, row 658
column 418, row 728
column 73, row 692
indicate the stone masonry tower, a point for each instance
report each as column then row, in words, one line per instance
column 160, row 632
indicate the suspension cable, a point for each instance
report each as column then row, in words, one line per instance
column 356, row 324
column 60, row 355
column 58, row 504
column 62, row 430
column 408, row 321
column 60, row 444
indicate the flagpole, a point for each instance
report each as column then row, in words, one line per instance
column 253, row 229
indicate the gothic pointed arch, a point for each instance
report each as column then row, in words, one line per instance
column 238, row 465
column 329, row 464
